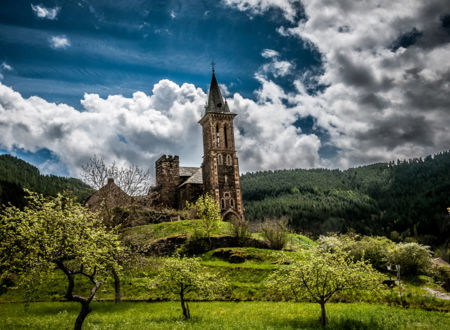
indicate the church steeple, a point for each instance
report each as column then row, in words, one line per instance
column 220, row 168
column 216, row 102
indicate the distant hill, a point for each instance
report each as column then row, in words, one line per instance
column 16, row 174
column 402, row 200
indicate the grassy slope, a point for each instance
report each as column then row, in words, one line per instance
column 152, row 232
column 220, row 315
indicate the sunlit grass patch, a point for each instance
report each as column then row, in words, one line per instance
column 219, row 315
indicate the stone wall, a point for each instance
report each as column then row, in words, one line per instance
column 167, row 179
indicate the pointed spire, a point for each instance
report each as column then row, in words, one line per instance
column 215, row 100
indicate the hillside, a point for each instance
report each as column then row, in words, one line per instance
column 399, row 200
column 16, row 174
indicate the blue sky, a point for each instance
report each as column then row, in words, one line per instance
column 314, row 83
column 120, row 48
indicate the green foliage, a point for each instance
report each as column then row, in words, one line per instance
column 56, row 233
column 407, row 199
column 275, row 232
column 413, row 258
column 182, row 276
column 16, row 174
column 376, row 250
column 208, row 212
column 53, row 230
column 320, row 275
column 239, row 230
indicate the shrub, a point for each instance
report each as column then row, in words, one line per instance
column 239, row 230
column 413, row 258
column 375, row 250
column 275, row 233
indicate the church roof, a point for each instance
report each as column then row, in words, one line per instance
column 216, row 102
column 188, row 171
column 196, row 178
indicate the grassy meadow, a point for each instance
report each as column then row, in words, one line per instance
column 244, row 305
column 219, row 315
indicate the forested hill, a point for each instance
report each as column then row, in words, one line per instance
column 399, row 200
column 16, row 174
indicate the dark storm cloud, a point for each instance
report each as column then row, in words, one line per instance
column 357, row 75
column 374, row 100
column 397, row 130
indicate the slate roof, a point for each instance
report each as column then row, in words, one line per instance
column 196, row 178
column 188, row 171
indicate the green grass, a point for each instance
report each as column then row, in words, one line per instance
column 151, row 232
column 219, row 315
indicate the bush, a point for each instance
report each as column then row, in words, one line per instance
column 275, row 233
column 239, row 230
column 413, row 258
column 376, row 250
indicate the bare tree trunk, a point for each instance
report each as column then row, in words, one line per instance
column 323, row 318
column 85, row 310
column 184, row 305
column 118, row 294
column 85, row 302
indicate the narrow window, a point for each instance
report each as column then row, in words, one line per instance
column 225, row 135
column 223, row 203
column 217, row 136
column 232, row 203
column 229, row 160
column 220, row 159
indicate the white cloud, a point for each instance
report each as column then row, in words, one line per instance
column 172, row 14
column 140, row 128
column 276, row 67
column 6, row 66
column 256, row 7
column 1, row 76
column 224, row 90
column 43, row 12
column 387, row 98
column 270, row 53
column 59, row 42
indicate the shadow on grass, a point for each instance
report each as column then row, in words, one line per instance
column 334, row 323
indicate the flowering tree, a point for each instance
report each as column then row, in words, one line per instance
column 208, row 212
column 57, row 234
column 319, row 275
column 183, row 276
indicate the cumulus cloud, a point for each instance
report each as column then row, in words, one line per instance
column 59, row 42
column 138, row 129
column 276, row 67
column 386, row 68
column 43, row 12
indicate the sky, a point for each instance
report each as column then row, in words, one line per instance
column 314, row 83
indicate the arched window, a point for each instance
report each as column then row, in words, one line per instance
column 229, row 160
column 232, row 203
column 217, row 136
column 225, row 135
column 223, row 203
column 219, row 159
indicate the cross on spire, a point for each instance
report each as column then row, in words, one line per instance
column 212, row 65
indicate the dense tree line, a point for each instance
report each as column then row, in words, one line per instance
column 16, row 174
column 403, row 199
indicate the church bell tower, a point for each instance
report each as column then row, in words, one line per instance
column 220, row 165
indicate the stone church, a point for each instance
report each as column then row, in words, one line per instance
column 219, row 173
